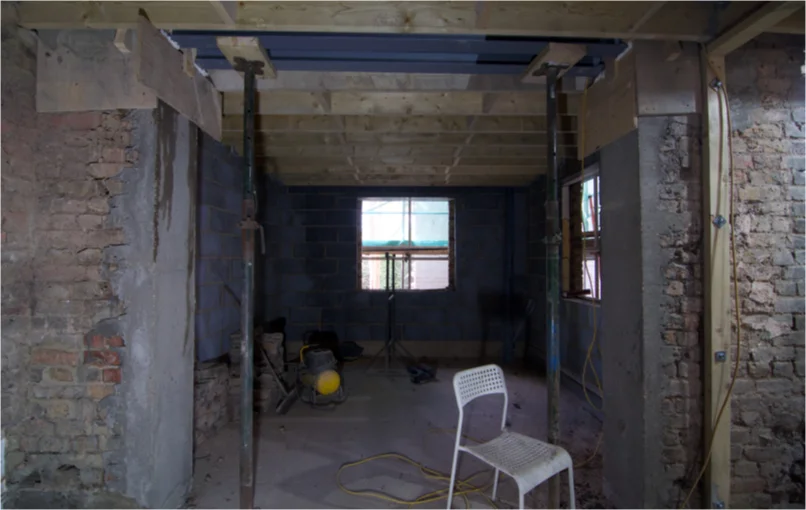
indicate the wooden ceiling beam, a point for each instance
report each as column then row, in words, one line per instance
column 687, row 21
column 407, row 180
column 287, row 102
column 760, row 20
column 794, row 24
column 397, row 124
column 229, row 80
column 339, row 161
column 414, row 141
column 248, row 49
column 443, row 151
column 227, row 11
column 564, row 56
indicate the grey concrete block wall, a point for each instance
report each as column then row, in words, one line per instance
column 310, row 271
column 219, row 265
column 577, row 318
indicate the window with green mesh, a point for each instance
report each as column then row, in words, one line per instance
column 406, row 243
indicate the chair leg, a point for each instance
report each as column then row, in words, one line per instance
column 495, row 484
column 453, row 477
column 520, row 499
column 571, row 500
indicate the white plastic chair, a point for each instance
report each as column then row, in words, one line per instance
column 529, row 461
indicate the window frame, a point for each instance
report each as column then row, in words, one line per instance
column 573, row 235
column 449, row 252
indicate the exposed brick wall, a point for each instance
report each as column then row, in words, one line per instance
column 310, row 268
column 219, row 273
column 211, row 390
column 767, row 105
column 61, row 353
column 678, row 198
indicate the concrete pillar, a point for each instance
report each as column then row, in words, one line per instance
column 651, row 307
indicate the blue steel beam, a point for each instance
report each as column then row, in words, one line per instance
column 369, row 66
column 300, row 41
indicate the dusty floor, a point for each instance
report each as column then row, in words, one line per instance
column 299, row 454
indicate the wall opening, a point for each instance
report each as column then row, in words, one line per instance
column 582, row 238
column 406, row 244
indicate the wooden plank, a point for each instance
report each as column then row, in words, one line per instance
column 248, row 49
column 396, row 17
column 666, row 87
column 716, row 196
column 160, row 67
column 515, row 124
column 760, row 20
column 514, row 151
column 527, row 103
column 406, row 138
column 389, row 160
column 228, row 80
column 280, row 102
column 372, row 151
column 651, row 10
column 685, row 21
column 85, row 71
column 532, row 141
column 393, row 124
column 794, row 24
column 325, row 161
column 611, row 106
column 227, row 11
column 562, row 55
column 405, row 180
column 287, row 102
column 114, row 15
column 705, row 24
column 407, row 103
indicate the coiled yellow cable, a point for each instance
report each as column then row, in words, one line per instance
column 464, row 486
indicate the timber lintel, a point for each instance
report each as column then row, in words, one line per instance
column 128, row 70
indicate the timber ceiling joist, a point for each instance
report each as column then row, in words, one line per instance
column 406, row 93
column 678, row 21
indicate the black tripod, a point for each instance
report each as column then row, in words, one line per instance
column 392, row 343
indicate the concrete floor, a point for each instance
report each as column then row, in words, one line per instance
column 298, row 454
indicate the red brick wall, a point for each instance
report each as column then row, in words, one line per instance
column 61, row 357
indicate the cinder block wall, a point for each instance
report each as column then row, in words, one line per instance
column 310, row 271
column 219, row 274
column 765, row 83
column 577, row 318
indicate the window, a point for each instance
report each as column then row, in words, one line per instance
column 406, row 243
column 582, row 238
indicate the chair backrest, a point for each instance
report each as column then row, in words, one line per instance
column 475, row 382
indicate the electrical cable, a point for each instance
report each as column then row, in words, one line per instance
column 464, row 486
column 722, row 93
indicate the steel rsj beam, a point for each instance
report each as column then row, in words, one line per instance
column 552, row 244
column 248, row 227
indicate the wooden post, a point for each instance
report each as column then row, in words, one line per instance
column 717, row 310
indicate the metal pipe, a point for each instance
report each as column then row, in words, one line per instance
column 552, row 244
column 509, row 254
column 390, row 268
column 248, row 227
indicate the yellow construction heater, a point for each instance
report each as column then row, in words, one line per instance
column 319, row 377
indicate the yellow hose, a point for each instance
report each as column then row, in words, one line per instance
column 464, row 486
